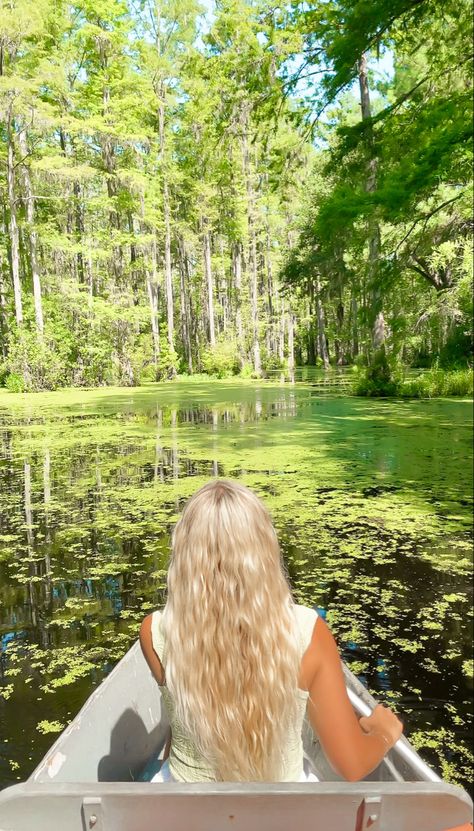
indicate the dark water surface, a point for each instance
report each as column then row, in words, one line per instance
column 373, row 505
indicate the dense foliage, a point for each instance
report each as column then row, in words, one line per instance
column 385, row 236
column 186, row 194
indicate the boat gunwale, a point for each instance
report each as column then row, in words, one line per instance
column 363, row 788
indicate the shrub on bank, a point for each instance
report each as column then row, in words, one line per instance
column 439, row 383
column 221, row 360
column 247, row 371
column 435, row 383
column 382, row 379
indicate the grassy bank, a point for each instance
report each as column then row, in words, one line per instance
column 434, row 383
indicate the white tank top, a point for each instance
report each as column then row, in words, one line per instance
column 186, row 763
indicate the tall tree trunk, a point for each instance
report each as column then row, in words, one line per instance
column 354, row 327
column 134, row 271
column 270, row 292
column 168, row 271
column 3, row 315
column 32, row 236
column 109, row 162
column 4, row 268
column 291, row 341
column 223, row 293
column 281, row 332
column 185, row 313
column 254, row 303
column 253, row 267
column 161, row 92
column 206, row 246
column 237, row 278
column 310, row 332
column 340, row 357
column 13, row 225
column 79, row 221
column 323, row 348
column 66, row 190
column 378, row 324
column 152, row 291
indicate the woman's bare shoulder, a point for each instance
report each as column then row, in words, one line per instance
column 322, row 651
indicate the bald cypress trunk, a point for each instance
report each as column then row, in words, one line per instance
column 161, row 93
column 291, row 340
column 32, row 236
column 185, row 305
column 281, row 331
column 209, row 279
column 252, row 252
column 237, row 278
column 354, row 327
column 271, row 294
column 377, row 316
column 323, row 348
column 109, row 162
column 168, row 271
column 3, row 302
column 13, row 224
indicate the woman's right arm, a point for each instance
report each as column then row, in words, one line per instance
column 153, row 661
column 146, row 643
column 353, row 748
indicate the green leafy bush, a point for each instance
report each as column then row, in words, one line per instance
column 271, row 363
column 35, row 363
column 221, row 360
column 15, row 382
column 382, row 378
column 168, row 360
column 438, row 383
column 246, row 371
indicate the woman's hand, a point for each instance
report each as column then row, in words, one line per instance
column 384, row 722
column 352, row 752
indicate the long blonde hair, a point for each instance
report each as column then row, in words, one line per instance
column 232, row 657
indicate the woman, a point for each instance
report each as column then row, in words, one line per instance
column 238, row 663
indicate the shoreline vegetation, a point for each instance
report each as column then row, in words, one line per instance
column 356, row 381
column 435, row 382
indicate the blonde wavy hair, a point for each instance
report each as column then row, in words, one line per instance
column 232, row 658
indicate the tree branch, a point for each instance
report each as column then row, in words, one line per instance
column 424, row 218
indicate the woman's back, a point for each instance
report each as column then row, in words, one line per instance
column 236, row 657
column 186, row 761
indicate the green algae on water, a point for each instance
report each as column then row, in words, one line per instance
column 371, row 500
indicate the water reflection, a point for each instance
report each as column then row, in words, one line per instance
column 370, row 499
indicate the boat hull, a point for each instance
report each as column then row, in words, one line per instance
column 90, row 779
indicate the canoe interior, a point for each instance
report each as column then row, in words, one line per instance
column 90, row 779
column 124, row 724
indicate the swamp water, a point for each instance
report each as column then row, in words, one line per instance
column 372, row 501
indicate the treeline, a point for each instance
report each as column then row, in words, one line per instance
column 386, row 235
column 166, row 207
